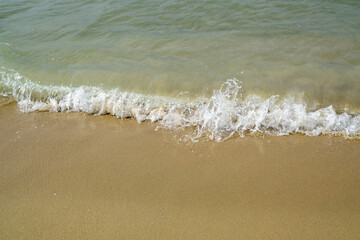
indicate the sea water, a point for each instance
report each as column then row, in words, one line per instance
column 223, row 68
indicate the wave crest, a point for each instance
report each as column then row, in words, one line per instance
column 219, row 117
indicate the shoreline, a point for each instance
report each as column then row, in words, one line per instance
column 77, row 176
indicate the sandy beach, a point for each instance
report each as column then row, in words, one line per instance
column 192, row 120
column 77, row 176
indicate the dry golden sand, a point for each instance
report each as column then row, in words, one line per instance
column 75, row 176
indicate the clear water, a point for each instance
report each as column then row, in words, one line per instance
column 307, row 52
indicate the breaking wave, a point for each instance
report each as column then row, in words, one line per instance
column 225, row 114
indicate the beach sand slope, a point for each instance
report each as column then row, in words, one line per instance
column 76, row 176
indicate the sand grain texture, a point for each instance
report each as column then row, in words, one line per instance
column 75, row 176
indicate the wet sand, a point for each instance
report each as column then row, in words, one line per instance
column 75, row 176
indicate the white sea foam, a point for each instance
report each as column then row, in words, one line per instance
column 219, row 117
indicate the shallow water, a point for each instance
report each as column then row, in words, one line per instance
column 307, row 52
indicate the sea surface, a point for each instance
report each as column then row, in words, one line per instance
column 223, row 68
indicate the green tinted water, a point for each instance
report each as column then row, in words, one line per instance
column 165, row 47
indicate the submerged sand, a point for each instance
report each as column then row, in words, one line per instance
column 75, row 176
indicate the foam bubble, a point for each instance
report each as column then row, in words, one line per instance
column 226, row 113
